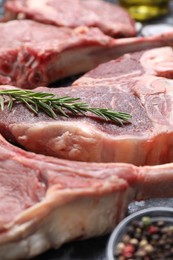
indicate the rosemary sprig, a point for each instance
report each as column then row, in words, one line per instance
column 51, row 105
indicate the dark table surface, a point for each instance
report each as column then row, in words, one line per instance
column 95, row 248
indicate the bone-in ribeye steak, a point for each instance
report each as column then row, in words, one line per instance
column 140, row 92
column 66, row 200
column 109, row 18
column 33, row 54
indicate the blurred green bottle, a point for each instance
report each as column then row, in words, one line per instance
column 143, row 10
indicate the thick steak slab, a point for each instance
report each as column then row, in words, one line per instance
column 139, row 91
column 66, row 200
column 109, row 18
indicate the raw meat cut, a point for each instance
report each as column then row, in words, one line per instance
column 158, row 62
column 87, row 138
column 140, row 92
column 66, row 200
column 34, row 54
column 109, row 18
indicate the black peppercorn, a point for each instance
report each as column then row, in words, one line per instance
column 146, row 239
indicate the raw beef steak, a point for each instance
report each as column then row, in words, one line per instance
column 158, row 62
column 146, row 96
column 34, row 54
column 109, row 18
column 66, row 200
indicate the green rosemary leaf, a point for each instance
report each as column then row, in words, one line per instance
column 59, row 109
column 2, row 102
column 31, row 106
column 10, row 103
column 46, row 108
column 51, row 105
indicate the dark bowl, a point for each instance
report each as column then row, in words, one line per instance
column 155, row 213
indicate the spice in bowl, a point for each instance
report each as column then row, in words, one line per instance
column 147, row 234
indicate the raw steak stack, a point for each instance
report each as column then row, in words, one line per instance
column 47, row 201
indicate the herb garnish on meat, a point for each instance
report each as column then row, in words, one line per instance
column 52, row 105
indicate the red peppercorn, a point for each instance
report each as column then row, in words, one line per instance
column 128, row 250
column 153, row 229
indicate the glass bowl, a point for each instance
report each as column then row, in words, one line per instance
column 154, row 213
